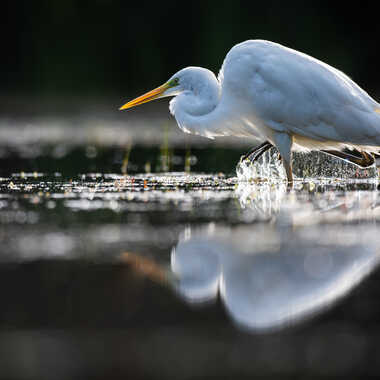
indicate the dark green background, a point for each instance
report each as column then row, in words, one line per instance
column 118, row 47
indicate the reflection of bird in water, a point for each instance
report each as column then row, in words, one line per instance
column 279, row 95
column 269, row 275
column 265, row 290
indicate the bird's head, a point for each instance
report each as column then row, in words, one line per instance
column 188, row 79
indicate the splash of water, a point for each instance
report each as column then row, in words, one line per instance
column 312, row 165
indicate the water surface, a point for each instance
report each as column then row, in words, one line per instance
column 177, row 268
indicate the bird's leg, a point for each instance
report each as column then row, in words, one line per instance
column 283, row 143
column 365, row 160
column 289, row 171
column 345, row 156
column 257, row 152
column 368, row 159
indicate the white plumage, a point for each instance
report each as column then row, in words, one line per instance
column 274, row 94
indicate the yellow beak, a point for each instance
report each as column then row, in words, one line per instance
column 149, row 96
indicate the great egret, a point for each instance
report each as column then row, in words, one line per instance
column 279, row 95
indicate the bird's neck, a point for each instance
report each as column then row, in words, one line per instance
column 197, row 110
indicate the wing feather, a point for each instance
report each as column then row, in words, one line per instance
column 295, row 93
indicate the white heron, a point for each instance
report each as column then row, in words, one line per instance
column 281, row 96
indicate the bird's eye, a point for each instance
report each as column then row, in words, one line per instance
column 175, row 82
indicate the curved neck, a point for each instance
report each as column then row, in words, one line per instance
column 197, row 109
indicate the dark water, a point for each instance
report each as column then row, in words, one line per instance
column 177, row 269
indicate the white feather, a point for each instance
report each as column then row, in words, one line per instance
column 264, row 89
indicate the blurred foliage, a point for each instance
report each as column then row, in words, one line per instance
column 103, row 47
column 112, row 160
